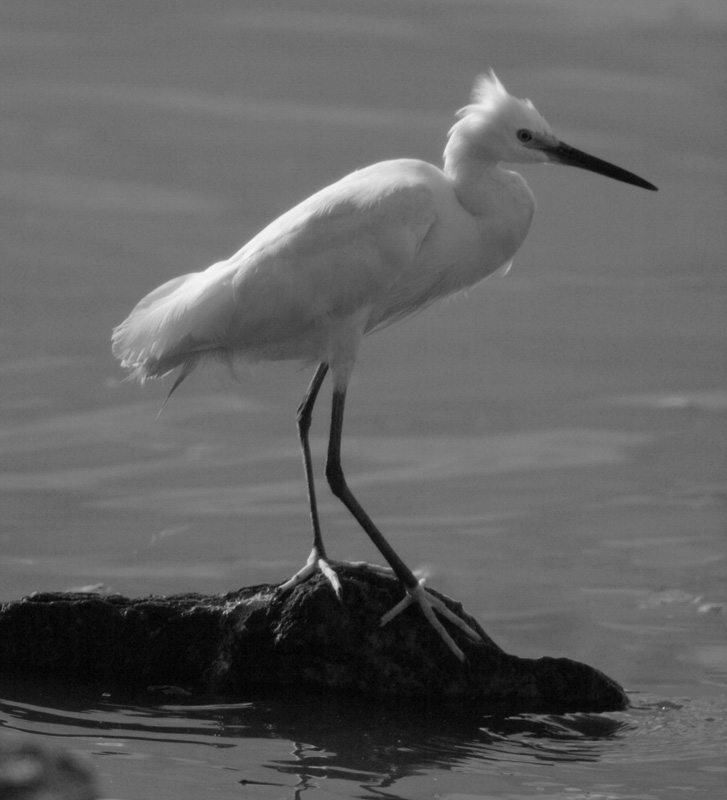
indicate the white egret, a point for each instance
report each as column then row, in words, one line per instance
column 377, row 246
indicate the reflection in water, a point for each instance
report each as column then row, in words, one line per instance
column 372, row 743
column 301, row 741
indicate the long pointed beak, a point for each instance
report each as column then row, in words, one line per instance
column 563, row 153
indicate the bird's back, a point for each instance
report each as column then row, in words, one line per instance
column 372, row 248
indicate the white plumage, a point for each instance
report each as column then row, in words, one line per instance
column 373, row 248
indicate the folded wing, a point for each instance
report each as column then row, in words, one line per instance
column 327, row 260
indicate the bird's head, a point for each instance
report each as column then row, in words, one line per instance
column 498, row 127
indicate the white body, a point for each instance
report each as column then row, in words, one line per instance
column 373, row 248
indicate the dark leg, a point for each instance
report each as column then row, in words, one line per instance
column 303, row 418
column 317, row 559
column 414, row 588
column 339, row 487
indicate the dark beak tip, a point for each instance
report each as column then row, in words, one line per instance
column 649, row 186
column 565, row 154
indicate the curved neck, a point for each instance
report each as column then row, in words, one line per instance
column 476, row 183
column 498, row 197
column 476, row 178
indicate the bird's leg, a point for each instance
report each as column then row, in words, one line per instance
column 317, row 559
column 415, row 590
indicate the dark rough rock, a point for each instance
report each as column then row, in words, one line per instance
column 253, row 638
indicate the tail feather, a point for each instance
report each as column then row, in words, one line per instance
column 175, row 325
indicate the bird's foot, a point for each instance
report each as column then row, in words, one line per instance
column 316, row 563
column 429, row 604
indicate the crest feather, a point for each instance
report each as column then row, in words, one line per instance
column 488, row 94
column 488, row 124
column 487, row 89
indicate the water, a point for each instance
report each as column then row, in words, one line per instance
column 551, row 448
column 272, row 747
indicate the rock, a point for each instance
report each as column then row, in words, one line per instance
column 307, row 639
column 33, row 770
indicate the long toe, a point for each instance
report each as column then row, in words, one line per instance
column 430, row 604
column 315, row 563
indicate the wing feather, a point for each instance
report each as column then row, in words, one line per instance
column 325, row 260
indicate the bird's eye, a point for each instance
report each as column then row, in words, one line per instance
column 524, row 135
